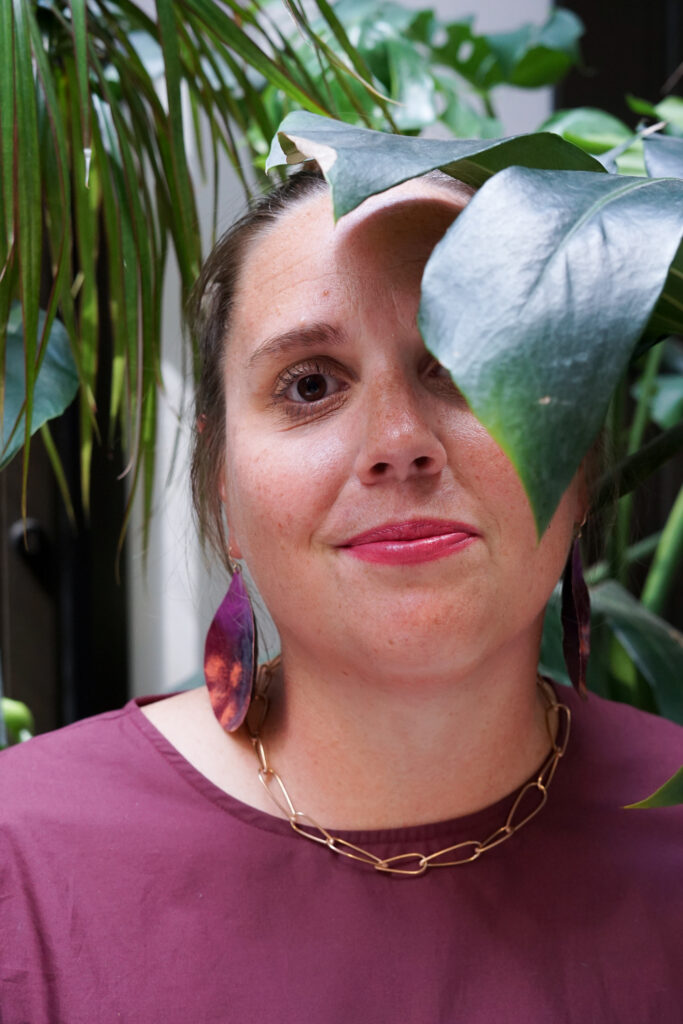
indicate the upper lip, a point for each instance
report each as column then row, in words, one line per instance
column 409, row 529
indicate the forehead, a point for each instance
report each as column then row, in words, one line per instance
column 304, row 262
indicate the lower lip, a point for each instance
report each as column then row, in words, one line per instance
column 411, row 552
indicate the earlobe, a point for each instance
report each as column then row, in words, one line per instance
column 234, row 550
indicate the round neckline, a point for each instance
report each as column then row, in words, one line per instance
column 473, row 826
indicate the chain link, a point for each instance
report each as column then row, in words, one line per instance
column 411, row 864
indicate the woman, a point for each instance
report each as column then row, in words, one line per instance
column 150, row 871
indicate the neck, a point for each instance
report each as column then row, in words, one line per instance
column 359, row 750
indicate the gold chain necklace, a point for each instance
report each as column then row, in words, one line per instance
column 411, row 864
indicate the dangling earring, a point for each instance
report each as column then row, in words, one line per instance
column 576, row 619
column 230, row 656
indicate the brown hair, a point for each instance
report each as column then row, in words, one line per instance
column 208, row 318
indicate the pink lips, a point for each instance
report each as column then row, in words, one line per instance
column 408, row 543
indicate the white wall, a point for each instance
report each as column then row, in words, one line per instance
column 172, row 601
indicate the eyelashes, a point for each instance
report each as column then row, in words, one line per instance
column 308, row 388
column 316, row 386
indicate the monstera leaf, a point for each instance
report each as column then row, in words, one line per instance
column 664, row 156
column 535, row 299
column 359, row 163
column 538, row 294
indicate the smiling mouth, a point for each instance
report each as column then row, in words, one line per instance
column 408, row 543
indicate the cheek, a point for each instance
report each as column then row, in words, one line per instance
column 279, row 490
column 486, row 472
column 507, row 511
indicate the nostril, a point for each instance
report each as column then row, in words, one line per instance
column 422, row 462
column 380, row 468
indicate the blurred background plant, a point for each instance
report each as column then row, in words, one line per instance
column 99, row 102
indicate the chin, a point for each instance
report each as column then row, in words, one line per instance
column 419, row 646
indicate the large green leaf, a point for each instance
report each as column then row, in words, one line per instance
column 534, row 301
column 654, row 645
column 55, row 385
column 664, row 156
column 359, row 162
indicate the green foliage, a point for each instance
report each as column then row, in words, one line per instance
column 55, row 384
column 93, row 121
column 599, row 133
column 538, row 272
column 97, row 101
column 359, row 163
column 18, row 721
column 435, row 73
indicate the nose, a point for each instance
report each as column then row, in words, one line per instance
column 398, row 441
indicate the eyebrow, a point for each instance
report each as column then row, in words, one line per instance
column 312, row 335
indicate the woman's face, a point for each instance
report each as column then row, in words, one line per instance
column 381, row 523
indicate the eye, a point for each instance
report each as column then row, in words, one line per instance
column 309, row 388
column 435, row 369
column 312, row 387
column 440, row 379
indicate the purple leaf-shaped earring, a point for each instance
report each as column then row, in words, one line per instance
column 230, row 655
column 576, row 620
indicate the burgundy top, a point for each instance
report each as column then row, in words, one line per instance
column 133, row 890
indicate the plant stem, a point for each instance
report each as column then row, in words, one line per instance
column 489, row 108
column 669, row 553
column 618, row 541
column 648, row 389
column 637, row 552
column 639, row 423
column 638, row 467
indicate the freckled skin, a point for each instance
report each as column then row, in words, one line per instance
column 395, row 443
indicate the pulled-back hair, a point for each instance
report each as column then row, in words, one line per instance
column 208, row 315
